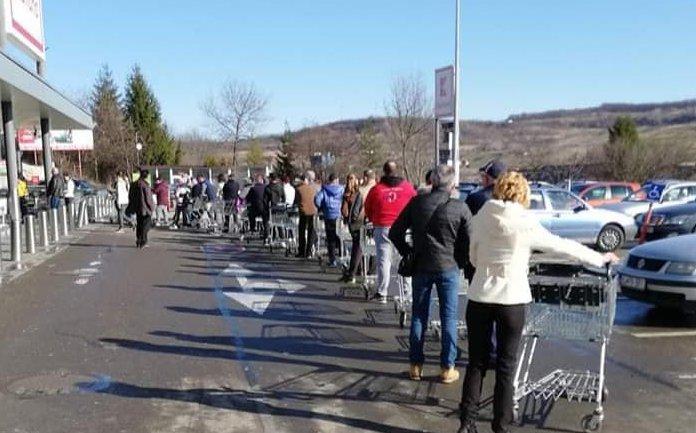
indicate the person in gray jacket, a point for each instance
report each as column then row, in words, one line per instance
column 439, row 227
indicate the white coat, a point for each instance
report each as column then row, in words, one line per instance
column 503, row 236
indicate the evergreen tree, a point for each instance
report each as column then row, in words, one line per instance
column 285, row 158
column 113, row 146
column 143, row 112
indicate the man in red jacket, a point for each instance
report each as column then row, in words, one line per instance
column 383, row 205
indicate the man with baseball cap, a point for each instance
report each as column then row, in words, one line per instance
column 489, row 173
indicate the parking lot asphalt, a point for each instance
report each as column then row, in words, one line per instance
column 203, row 334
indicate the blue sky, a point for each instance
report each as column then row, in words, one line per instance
column 325, row 60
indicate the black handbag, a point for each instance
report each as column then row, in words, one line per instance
column 407, row 265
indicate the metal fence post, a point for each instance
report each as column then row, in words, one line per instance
column 71, row 216
column 63, row 221
column 43, row 226
column 54, row 225
column 31, row 239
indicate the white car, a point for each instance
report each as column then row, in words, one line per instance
column 660, row 193
column 566, row 215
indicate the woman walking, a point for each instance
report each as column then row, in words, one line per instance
column 503, row 235
column 353, row 217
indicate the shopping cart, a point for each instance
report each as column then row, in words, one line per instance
column 435, row 324
column 276, row 227
column 290, row 227
column 570, row 303
column 369, row 250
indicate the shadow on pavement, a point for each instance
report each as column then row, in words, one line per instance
column 251, row 402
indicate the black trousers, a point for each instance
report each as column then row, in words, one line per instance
column 355, row 253
column 480, row 321
column 142, row 228
column 332, row 239
column 307, row 236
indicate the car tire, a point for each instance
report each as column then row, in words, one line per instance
column 611, row 238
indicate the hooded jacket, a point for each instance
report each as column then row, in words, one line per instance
column 273, row 195
column 387, row 199
column 440, row 229
column 503, row 236
column 329, row 200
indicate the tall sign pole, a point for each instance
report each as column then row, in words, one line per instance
column 455, row 157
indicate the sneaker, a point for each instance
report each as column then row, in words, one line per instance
column 379, row 298
column 449, row 375
column 415, row 372
column 467, row 426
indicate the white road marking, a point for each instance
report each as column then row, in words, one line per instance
column 665, row 334
column 687, row 376
column 95, row 264
column 82, row 281
column 257, row 294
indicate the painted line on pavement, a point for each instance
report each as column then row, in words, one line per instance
column 665, row 334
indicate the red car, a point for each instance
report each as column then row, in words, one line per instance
column 599, row 193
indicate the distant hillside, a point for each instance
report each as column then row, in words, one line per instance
column 551, row 137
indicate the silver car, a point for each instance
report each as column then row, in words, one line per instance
column 660, row 193
column 566, row 215
column 662, row 273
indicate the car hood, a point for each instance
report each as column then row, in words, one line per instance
column 630, row 208
column 680, row 209
column 680, row 249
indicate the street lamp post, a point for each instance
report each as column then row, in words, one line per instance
column 455, row 157
column 138, row 147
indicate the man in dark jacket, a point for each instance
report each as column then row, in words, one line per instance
column 230, row 195
column 440, row 230
column 55, row 189
column 489, row 173
column 141, row 204
column 254, row 201
column 273, row 199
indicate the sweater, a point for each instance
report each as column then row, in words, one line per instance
column 387, row 199
column 503, row 236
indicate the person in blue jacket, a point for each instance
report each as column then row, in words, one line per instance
column 328, row 201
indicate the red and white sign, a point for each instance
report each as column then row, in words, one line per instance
column 444, row 92
column 61, row 140
column 22, row 24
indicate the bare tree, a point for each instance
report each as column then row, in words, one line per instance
column 235, row 113
column 409, row 120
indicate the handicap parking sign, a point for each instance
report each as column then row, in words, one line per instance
column 654, row 191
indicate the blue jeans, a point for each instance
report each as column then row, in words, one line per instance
column 447, row 285
column 55, row 202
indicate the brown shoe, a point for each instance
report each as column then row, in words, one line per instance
column 449, row 375
column 416, row 372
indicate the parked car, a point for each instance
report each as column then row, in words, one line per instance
column 601, row 193
column 566, row 215
column 671, row 221
column 85, row 188
column 660, row 193
column 662, row 273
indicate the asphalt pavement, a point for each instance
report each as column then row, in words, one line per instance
column 207, row 334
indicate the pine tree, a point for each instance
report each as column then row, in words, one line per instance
column 285, row 158
column 143, row 112
column 113, row 149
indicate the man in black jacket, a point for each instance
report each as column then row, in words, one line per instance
column 489, row 173
column 254, row 201
column 440, row 230
column 230, row 195
column 141, row 204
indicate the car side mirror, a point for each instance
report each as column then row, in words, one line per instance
column 580, row 208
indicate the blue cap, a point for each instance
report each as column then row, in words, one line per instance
column 494, row 168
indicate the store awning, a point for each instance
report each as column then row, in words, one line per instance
column 34, row 99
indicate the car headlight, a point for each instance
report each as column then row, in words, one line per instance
column 681, row 268
column 676, row 220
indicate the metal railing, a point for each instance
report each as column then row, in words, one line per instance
column 43, row 229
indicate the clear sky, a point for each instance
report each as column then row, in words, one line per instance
column 324, row 60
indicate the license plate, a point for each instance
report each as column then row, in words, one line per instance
column 632, row 282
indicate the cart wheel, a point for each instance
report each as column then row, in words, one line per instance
column 591, row 423
column 402, row 319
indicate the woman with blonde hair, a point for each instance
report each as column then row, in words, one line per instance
column 503, row 236
column 353, row 216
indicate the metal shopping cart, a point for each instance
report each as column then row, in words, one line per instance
column 570, row 303
column 435, row 324
column 369, row 250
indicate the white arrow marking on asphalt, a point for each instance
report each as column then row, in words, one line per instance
column 257, row 295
